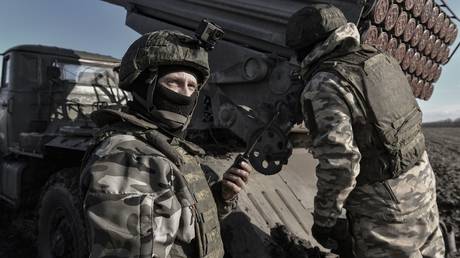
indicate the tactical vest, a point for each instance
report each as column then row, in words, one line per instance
column 207, row 227
column 208, row 241
column 390, row 139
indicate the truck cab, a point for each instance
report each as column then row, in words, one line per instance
column 46, row 96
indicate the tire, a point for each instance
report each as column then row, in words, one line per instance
column 61, row 226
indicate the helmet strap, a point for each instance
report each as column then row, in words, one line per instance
column 151, row 82
column 147, row 101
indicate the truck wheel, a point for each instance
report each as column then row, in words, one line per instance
column 61, row 227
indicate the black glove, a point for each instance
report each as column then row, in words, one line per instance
column 324, row 236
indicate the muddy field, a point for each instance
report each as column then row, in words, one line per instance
column 17, row 236
column 443, row 146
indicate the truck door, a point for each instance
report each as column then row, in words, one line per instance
column 5, row 102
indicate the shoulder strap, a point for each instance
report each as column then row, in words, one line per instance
column 357, row 55
column 349, row 67
column 108, row 116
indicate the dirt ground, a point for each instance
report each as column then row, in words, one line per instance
column 18, row 238
column 443, row 146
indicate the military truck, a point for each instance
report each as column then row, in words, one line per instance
column 46, row 97
column 47, row 94
column 254, row 76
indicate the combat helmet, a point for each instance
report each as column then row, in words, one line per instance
column 162, row 48
column 312, row 24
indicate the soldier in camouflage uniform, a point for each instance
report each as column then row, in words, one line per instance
column 145, row 194
column 366, row 129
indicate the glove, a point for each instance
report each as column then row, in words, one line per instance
column 324, row 236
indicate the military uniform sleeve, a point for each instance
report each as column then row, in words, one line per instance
column 224, row 207
column 328, row 116
column 132, row 202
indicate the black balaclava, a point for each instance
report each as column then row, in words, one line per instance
column 166, row 99
column 170, row 110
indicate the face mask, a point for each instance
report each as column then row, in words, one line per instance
column 166, row 99
column 170, row 110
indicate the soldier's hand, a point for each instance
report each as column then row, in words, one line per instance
column 324, row 236
column 235, row 179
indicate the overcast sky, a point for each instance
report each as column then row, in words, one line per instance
column 99, row 27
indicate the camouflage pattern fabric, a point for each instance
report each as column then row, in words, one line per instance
column 131, row 207
column 333, row 108
column 138, row 203
column 159, row 48
column 415, row 238
column 347, row 37
column 207, row 233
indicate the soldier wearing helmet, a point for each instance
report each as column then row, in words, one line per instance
column 145, row 193
column 366, row 131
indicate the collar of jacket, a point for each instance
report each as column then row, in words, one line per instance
column 346, row 37
column 108, row 116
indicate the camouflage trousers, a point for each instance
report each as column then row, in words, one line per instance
column 420, row 237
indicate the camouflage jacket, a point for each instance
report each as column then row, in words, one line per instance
column 137, row 201
column 334, row 109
